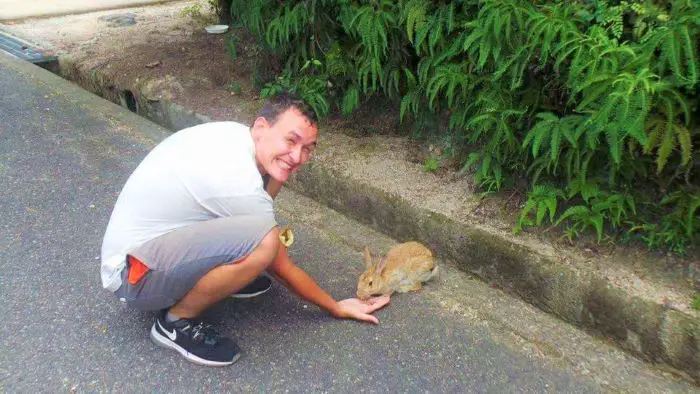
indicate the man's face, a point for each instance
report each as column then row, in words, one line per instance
column 280, row 149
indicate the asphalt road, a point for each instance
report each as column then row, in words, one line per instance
column 64, row 155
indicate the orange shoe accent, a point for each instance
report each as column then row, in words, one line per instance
column 137, row 270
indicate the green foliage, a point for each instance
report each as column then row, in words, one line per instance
column 192, row 11
column 666, row 234
column 679, row 220
column 430, row 164
column 215, row 6
column 664, row 136
column 685, row 206
column 197, row 11
column 309, row 88
column 595, row 99
column 542, row 199
column 371, row 24
column 231, row 46
column 677, row 43
column 695, row 302
column 235, row 87
column 553, row 134
column 253, row 14
column 601, row 209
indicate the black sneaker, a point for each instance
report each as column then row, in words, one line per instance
column 259, row 285
column 197, row 342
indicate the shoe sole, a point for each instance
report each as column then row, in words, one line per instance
column 162, row 341
column 250, row 295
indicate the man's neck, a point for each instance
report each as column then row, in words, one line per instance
column 261, row 169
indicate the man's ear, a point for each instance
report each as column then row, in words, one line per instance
column 259, row 126
column 261, row 123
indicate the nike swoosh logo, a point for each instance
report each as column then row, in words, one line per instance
column 171, row 335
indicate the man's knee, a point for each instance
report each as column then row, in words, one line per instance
column 269, row 246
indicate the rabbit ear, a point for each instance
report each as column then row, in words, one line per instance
column 381, row 265
column 368, row 258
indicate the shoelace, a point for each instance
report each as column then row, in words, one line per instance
column 204, row 333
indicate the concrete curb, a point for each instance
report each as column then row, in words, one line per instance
column 649, row 330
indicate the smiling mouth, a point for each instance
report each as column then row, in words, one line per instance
column 285, row 166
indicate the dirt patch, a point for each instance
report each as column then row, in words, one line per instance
column 165, row 49
column 168, row 55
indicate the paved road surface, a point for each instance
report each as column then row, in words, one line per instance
column 64, row 155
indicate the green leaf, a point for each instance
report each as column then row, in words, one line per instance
column 351, row 100
column 695, row 302
column 613, row 139
column 541, row 210
column 685, row 143
column 690, row 218
column 668, row 142
column 430, row 164
column 578, row 210
column 551, row 204
column 597, row 221
column 555, row 143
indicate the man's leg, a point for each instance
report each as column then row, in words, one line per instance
column 190, row 269
column 197, row 342
column 176, row 261
column 224, row 280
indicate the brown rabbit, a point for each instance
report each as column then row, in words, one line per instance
column 403, row 269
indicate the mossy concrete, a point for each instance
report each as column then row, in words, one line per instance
column 680, row 337
column 646, row 329
column 161, row 111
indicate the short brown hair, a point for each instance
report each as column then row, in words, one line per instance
column 277, row 105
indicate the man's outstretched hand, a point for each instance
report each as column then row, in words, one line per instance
column 353, row 308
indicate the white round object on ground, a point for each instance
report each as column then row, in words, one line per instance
column 216, row 29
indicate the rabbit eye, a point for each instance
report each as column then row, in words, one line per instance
column 370, row 283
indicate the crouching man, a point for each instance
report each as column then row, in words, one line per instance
column 194, row 224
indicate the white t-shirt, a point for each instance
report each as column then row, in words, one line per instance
column 200, row 173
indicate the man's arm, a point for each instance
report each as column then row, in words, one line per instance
column 302, row 284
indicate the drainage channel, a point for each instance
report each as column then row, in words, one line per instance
column 32, row 53
column 26, row 51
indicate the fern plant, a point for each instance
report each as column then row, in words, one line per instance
column 542, row 199
column 594, row 98
column 310, row 88
column 677, row 43
column 604, row 207
column 550, row 133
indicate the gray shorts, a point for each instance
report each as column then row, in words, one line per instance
column 178, row 259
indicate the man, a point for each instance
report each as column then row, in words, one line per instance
column 194, row 224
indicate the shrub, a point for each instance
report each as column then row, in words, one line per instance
column 596, row 101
